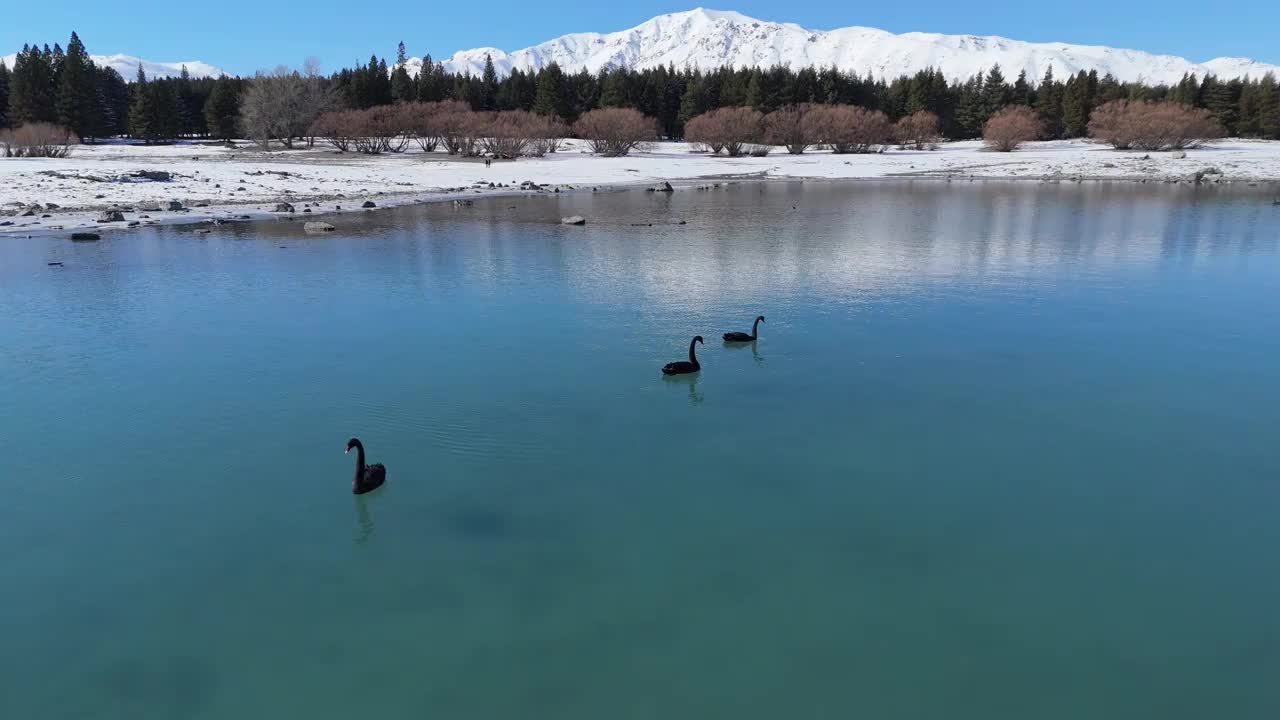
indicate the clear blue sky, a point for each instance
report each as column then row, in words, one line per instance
column 243, row 36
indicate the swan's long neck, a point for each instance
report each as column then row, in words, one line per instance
column 693, row 359
column 359, row 463
column 754, row 325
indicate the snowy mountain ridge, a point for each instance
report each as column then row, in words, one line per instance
column 127, row 66
column 708, row 39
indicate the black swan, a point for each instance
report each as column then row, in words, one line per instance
column 368, row 477
column 743, row 337
column 681, row 367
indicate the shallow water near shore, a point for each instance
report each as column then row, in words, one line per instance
column 1001, row 451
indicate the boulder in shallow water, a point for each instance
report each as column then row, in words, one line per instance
column 663, row 186
column 283, row 207
column 107, row 216
column 319, row 227
column 573, row 220
column 368, row 204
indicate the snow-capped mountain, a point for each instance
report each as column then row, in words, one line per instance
column 713, row 38
column 127, row 66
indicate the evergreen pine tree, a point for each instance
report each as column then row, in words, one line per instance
column 1075, row 106
column 381, row 84
column 755, row 93
column 56, row 59
column 971, row 113
column 142, row 114
column 585, row 92
column 1221, row 101
column 1268, row 107
column 1049, row 103
column 995, row 93
column 77, row 98
column 488, row 91
column 694, row 100
column 4, row 95
column 1021, row 94
column 222, row 109
column 551, row 96
column 1247, row 110
column 113, row 102
column 433, row 83
column 613, row 88
column 31, row 87
column 402, row 86
column 168, row 113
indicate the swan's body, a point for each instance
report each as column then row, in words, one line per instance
column 368, row 477
column 681, row 367
column 743, row 337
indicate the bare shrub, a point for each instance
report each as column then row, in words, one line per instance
column 731, row 129
column 380, row 129
column 791, row 128
column 38, row 140
column 1010, row 127
column 759, row 150
column 547, row 133
column 849, row 128
column 423, row 120
column 1147, row 125
column 700, row 135
column 614, row 132
column 459, row 130
column 920, row 130
column 506, row 134
column 338, row 129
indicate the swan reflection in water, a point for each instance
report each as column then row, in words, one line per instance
column 364, row 522
column 689, row 379
column 755, row 349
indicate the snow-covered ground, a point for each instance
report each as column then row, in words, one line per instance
column 212, row 181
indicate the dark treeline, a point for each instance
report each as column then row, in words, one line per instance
column 59, row 86
column 65, row 87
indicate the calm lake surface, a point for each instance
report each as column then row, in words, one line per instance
column 1002, row 451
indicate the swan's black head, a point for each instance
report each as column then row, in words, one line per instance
column 698, row 339
column 353, row 443
column 759, row 318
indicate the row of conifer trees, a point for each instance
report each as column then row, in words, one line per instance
column 65, row 87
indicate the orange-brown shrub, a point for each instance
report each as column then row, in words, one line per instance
column 1147, row 125
column 423, row 120
column 791, row 127
column 38, row 140
column 337, row 128
column 614, row 132
column 1011, row 126
column 920, row 130
column 850, row 129
column 732, row 129
column 547, row 133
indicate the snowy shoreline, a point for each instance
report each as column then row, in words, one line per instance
column 215, row 183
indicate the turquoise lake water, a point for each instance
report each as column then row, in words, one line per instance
column 1002, row 451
